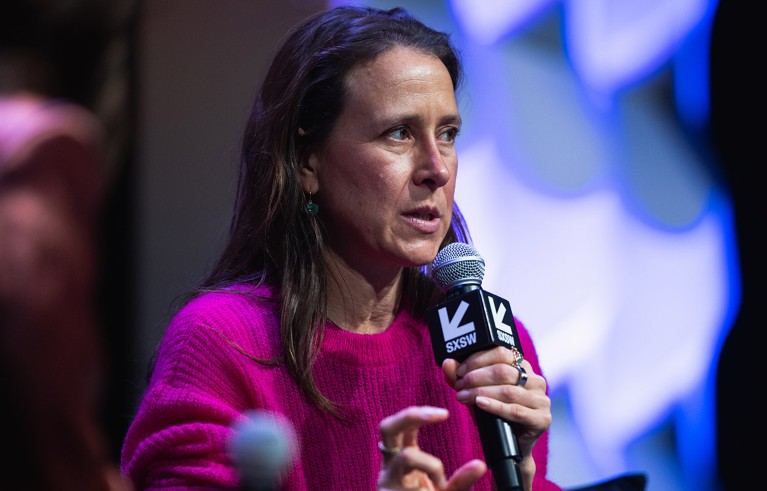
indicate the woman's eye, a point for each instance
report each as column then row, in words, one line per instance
column 399, row 133
column 450, row 134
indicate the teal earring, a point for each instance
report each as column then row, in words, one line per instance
column 311, row 207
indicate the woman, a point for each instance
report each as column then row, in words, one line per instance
column 315, row 310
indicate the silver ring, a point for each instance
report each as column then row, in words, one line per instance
column 522, row 376
column 388, row 452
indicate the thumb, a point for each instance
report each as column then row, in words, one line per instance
column 449, row 368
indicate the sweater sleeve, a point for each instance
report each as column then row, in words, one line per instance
column 541, row 449
column 178, row 438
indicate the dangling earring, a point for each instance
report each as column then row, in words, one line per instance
column 311, row 207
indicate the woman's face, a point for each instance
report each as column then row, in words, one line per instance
column 385, row 179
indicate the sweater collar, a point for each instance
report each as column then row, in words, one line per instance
column 404, row 335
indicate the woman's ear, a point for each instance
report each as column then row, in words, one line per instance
column 309, row 178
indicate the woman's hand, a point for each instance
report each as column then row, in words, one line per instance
column 406, row 467
column 491, row 381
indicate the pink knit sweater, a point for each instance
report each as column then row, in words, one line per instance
column 203, row 381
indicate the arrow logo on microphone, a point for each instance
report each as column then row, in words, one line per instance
column 498, row 315
column 451, row 328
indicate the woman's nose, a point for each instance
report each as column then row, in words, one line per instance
column 432, row 168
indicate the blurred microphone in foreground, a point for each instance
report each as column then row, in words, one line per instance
column 263, row 447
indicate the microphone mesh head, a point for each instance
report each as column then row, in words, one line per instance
column 263, row 447
column 457, row 265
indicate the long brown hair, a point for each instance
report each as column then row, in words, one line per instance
column 272, row 239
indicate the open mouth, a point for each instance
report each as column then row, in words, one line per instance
column 426, row 220
column 422, row 216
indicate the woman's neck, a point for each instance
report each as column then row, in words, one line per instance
column 357, row 304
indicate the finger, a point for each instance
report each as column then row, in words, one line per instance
column 466, row 476
column 509, row 394
column 497, row 355
column 401, row 429
column 449, row 368
column 535, row 420
column 413, row 468
column 502, row 393
column 501, row 374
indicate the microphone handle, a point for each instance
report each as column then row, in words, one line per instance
column 501, row 451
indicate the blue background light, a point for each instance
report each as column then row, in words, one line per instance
column 600, row 220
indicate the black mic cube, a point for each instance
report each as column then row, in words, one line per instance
column 471, row 321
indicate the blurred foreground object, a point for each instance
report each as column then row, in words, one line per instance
column 263, row 448
column 51, row 188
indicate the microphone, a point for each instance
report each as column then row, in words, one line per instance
column 469, row 320
column 263, row 447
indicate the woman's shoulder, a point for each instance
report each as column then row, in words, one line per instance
column 237, row 299
column 209, row 345
column 236, row 311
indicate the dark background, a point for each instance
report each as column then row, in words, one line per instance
column 737, row 130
